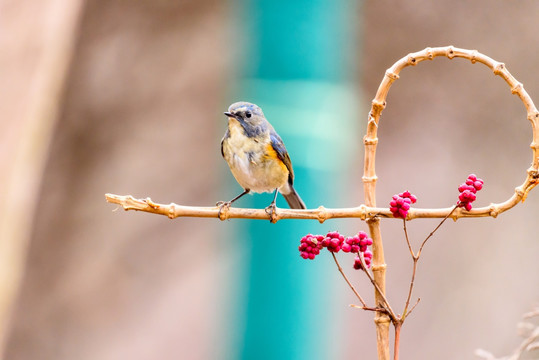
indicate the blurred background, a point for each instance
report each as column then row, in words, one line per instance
column 127, row 97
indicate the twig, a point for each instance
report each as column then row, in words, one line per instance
column 407, row 238
column 413, row 307
column 410, row 290
column 529, row 344
column 531, row 314
column 390, row 311
column 433, row 231
column 349, row 283
column 377, row 309
column 415, row 258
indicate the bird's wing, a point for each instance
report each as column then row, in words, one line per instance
column 280, row 149
column 227, row 134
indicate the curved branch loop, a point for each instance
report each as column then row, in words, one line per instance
column 499, row 69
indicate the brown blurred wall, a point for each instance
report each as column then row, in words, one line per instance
column 137, row 117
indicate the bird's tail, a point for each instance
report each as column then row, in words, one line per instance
column 293, row 199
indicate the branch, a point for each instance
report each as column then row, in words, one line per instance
column 377, row 309
column 412, row 59
column 530, row 332
column 415, row 258
column 432, row 233
column 348, row 282
column 390, row 311
column 321, row 214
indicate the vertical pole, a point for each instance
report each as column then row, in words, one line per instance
column 296, row 63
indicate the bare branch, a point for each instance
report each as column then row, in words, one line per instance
column 390, row 311
column 349, row 283
column 321, row 214
column 433, row 231
column 382, row 310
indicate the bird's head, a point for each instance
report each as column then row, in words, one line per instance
column 247, row 114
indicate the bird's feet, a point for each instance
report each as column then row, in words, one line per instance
column 223, row 205
column 271, row 210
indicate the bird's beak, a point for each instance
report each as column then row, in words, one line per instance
column 229, row 114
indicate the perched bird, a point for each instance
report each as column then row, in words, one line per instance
column 257, row 156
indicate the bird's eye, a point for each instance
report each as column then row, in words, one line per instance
column 248, row 114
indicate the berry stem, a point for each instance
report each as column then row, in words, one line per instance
column 415, row 258
column 390, row 312
column 413, row 307
column 408, row 239
column 349, row 283
column 433, row 231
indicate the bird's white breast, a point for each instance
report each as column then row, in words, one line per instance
column 249, row 163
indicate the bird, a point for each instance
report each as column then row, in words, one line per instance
column 257, row 156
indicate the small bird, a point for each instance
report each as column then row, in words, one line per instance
column 257, row 156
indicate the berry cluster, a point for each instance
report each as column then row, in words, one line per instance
column 333, row 241
column 400, row 204
column 311, row 245
column 357, row 243
column 468, row 191
column 367, row 257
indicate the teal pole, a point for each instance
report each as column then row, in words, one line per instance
column 296, row 60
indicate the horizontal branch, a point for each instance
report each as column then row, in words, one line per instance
column 321, row 214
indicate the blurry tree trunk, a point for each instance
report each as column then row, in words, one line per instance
column 37, row 39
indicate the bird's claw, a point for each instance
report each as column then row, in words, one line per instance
column 272, row 213
column 222, row 205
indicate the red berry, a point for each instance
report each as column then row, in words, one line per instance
column 309, row 246
column 468, row 190
column 357, row 263
column 401, row 203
